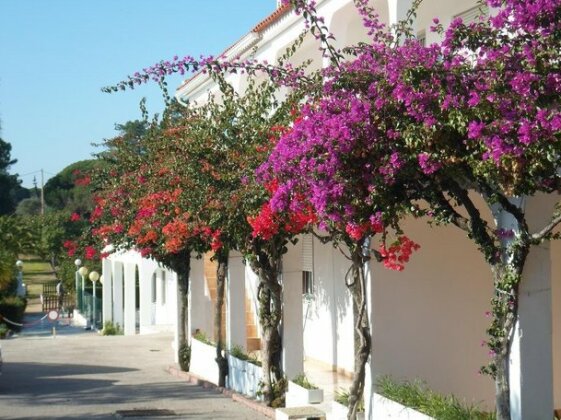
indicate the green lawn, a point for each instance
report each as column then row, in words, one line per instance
column 35, row 273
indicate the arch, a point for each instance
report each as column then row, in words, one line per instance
column 347, row 26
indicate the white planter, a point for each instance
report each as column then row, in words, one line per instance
column 203, row 363
column 384, row 408
column 243, row 376
column 298, row 396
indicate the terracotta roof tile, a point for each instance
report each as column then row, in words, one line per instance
column 272, row 18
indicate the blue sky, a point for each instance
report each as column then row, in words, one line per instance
column 55, row 55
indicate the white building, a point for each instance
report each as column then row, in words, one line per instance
column 428, row 321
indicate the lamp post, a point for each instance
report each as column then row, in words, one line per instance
column 83, row 272
column 21, row 288
column 94, row 277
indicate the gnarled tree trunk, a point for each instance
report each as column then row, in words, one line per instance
column 181, row 264
column 269, row 294
column 363, row 339
column 507, row 276
column 221, row 270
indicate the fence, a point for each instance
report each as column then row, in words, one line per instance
column 90, row 308
column 52, row 302
column 85, row 303
column 50, row 299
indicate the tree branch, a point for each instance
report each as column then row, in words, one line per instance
column 539, row 236
column 478, row 227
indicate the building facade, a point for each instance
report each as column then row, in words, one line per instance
column 428, row 322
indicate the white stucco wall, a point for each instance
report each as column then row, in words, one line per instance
column 429, row 320
column 328, row 333
column 556, row 324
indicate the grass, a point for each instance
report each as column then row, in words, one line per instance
column 239, row 353
column 35, row 273
column 303, row 381
column 111, row 329
column 418, row 396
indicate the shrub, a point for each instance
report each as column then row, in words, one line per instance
column 111, row 329
column 303, row 381
column 239, row 353
column 418, row 396
column 4, row 330
column 13, row 308
column 184, row 356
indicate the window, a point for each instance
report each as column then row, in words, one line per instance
column 163, row 287
column 307, row 283
column 154, row 289
column 307, row 264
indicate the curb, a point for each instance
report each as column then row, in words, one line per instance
column 196, row 380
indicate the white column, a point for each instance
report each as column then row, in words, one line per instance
column 397, row 10
column 118, row 278
column 175, row 308
column 130, row 298
column 146, row 269
column 235, row 298
column 292, row 314
column 531, row 358
column 107, row 301
column 198, row 306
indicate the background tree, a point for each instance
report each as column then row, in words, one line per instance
column 131, row 132
column 29, row 207
column 69, row 190
column 9, row 184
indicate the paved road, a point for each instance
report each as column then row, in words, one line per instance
column 80, row 374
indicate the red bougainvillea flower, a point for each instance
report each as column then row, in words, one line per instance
column 96, row 213
column 90, row 253
column 70, row 247
column 74, row 217
column 82, row 182
column 216, row 242
column 398, row 253
column 175, row 232
column 264, row 224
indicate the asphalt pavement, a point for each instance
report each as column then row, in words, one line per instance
column 79, row 374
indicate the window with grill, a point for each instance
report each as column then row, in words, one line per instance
column 163, row 287
column 307, row 282
column 154, row 288
column 307, row 264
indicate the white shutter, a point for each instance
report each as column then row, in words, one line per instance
column 307, row 252
column 471, row 15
